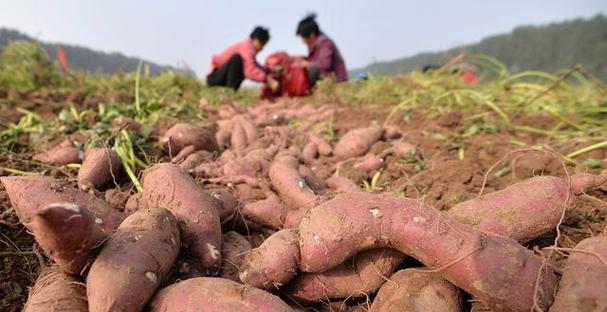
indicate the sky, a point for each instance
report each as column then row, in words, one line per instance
column 189, row 32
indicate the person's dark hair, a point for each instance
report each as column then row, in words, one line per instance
column 308, row 26
column 261, row 34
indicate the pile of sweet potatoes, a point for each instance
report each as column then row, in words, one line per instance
column 248, row 214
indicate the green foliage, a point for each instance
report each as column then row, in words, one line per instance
column 25, row 66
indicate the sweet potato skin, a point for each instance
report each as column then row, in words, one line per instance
column 68, row 234
column 268, row 212
column 168, row 186
column 291, row 186
column 412, row 290
column 583, row 284
column 99, row 168
column 234, row 247
column 133, row 262
column 56, row 291
column 268, row 260
column 62, row 154
column 362, row 276
column 30, row 194
column 225, row 204
column 357, row 142
column 351, row 222
column 214, row 294
column 182, row 135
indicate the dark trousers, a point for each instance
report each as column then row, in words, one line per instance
column 230, row 74
column 314, row 74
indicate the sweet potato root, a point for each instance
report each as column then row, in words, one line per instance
column 342, row 185
column 168, row 186
column 182, row 135
column 30, row 194
column 357, row 142
column 279, row 251
column 134, row 203
column 225, row 203
column 324, row 148
column 68, row 234
column 268, row 212
column 412, row 290
column 583, row 284
column 62, row 154
column 99, row 168
column 291, row 186
column 56, row 291
column 133, row 262
column 363, row 275
column 215, row 294
column 234, row 247
column 369, row 164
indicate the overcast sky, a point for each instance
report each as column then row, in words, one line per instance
column 173, row 32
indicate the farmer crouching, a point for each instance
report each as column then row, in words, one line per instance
column 324, row 58
column 237, row 62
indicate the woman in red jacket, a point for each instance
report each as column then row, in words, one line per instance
column 237, row 62
column 324, row 58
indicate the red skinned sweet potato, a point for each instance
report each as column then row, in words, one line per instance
column 279, row 251
column 182, row 135
column 309, row 153
column 226, row 204
column 363, row 275
column 583, row 284
column 324, row 148
column 234, row 247
column 412, row 290
column 369, row 164
column 133, row 261
column 30, row 194
column 268, row 212
column 56, row 291
column 291, row 186
column 134, row 203
column 168, row 186
column 99, row 168
column 238, row 141
column 342, row 185
column 357, row 142
column 403, row 149
column 215, row 294
column 68, row 234
column 62, row 154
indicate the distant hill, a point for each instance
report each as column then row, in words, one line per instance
column 549, row 48
column 85, row 58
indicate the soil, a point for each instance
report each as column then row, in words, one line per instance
column 448, row 168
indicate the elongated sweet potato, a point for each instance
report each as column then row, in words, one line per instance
column 291, row 186
column 268, row 212
column 363, row 275
column 324, row 148
column 168, row 186
column 133, row 262
column 583, row 284
column 30, row 194
column 309, row 153
column 195, row 159
column 225, row 203
column 99, row 168
column 341, row 184
column 238, row 141
column 214, row 294
column 369, row 164
column 234, row 247
column 68, row 234
column 279, row 251
column 357, row 142
column 182, row 135
column 56, row 291
column 412, row 290
column 62, row 154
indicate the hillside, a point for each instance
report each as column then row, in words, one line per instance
column 85, row 58
column 549, row 48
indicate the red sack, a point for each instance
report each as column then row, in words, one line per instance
column 293, row 79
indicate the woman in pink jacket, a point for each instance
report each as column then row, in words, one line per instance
column 237, row 62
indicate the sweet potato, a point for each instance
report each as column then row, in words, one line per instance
column 30, row 194
column 268, row 212
column 182, row 135
column 583, row 284
column 116, row 197
column 183, row 154
column 403, row 149
column 99, row 168
column 62, row 154
column 238, row 141
column 324, row 148
column 133, row 262
column 312, row 180
column 309, row 153
column 291, row 186
column 68, row 234
column 522, row 211
column 369, row 164
column 234, row 247
column 214, row 294
column 168, row 186
column 494, row 269
column 134, row 203
column 56, row 291
column 248, row 126
column 363, row 275
column 392, row 132
column 341, row 184
column 223, row 138
column 279, row 251
column 225, row 203
column 412, row 290
column 357, row 142
column 124, row 122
